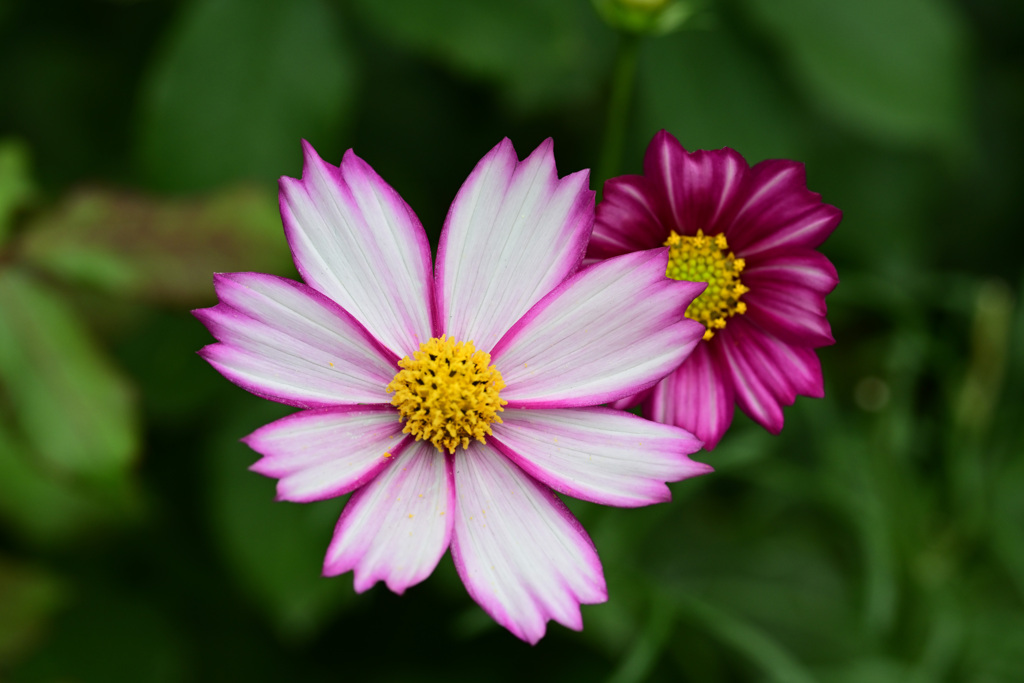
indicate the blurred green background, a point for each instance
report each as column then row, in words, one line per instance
column 879, row 538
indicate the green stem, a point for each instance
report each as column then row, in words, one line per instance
column 619, row 102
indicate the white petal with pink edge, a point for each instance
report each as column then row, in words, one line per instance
column 697, row 397
column 611, row 330
column 598, row 454
column 522, row 555
column 320, row 454
column 357, row 241
column 396, row 528
column 512, row 234
column 285, row 341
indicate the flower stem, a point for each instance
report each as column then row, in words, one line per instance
column 619, row 101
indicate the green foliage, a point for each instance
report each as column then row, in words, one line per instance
column 654, row 17
column 722, row 95
column 540, row 54
column 893, row 70
column 71, row 404
column 238, row 85
column 28, row 597
column 16, row 187
column 162, row 251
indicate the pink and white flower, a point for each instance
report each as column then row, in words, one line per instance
column 402, row 370
column 752, row 234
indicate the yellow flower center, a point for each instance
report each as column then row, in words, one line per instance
column 704, row 258
column 447, row 393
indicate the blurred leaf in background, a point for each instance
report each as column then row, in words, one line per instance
column 163, row 251
column 72, row 405
column 16, row 186
column 237, row 85
column 28, row 599
column 892, row 70
column 539, row 54
column 72, row 437
column 722, row 95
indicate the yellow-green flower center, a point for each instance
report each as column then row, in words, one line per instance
column 447, row 393
column 705, row 258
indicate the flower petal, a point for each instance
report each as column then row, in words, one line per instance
column 793, row 267
column 627, row 218
column 609, row 331
column 599, row 454
column 697, row 397
column 513, row 232
column 757, row 398
column 320, row 454
column 396, row 528
column 794, row 314
column 358, row 242
column 786, row 369
column 287, row 342
column 699, row 188
column 777, row 210
column 522, row 555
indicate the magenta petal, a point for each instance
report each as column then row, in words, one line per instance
column 757, row 398
column 803, row 268
column 697, row 397
column 778, row 211
column 512, row 234
column 598, row 454
column 396, row 528
column 287, row 342
column 699, row 188
column 611, row 330
column 320, row 454
column 358, row 242
column 627, row 219
column 522, row 555
column 795, row 315
column 788, row 370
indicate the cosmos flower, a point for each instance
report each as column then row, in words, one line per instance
column 751, row 233
column 453, row 400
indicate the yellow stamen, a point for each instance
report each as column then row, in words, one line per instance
column 447, row 393
column 705, row 258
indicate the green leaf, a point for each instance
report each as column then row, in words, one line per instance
column 274, row 549
column 238, row 86
column 541, row 54
column 72, row 405
column 28, row 598
column 36, row 503
column 16, row 186
column 163, row 251
column 893, row 69
column 756, row 645
column 709, row 91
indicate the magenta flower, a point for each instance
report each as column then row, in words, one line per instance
column 452, row 402
column 751, row 234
